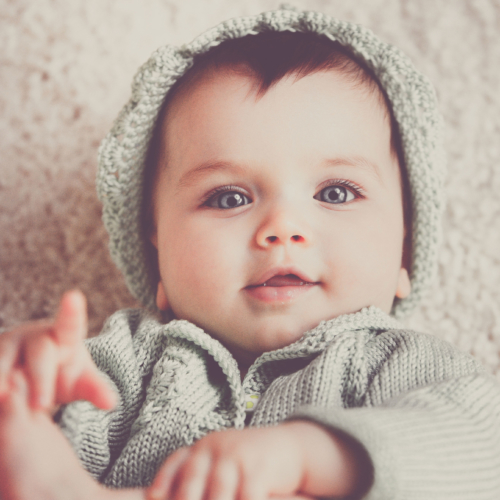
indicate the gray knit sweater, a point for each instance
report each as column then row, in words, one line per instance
column 427, row 415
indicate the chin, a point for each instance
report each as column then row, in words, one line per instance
column 277, row 335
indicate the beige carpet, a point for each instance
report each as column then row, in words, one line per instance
column 65, row 71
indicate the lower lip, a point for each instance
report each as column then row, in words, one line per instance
column 278, row 293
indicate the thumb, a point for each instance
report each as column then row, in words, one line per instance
column 89, row 385
column 70, row 325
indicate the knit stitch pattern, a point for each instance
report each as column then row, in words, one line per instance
column 123, row 151
column 427, row 415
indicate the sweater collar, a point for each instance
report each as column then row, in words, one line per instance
column 313, row 341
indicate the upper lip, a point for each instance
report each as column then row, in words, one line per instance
column 282, row 271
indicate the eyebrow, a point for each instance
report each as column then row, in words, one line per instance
column 355, row 161
column 190, row 177
column 208, row 167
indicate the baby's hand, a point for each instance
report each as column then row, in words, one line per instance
column 54, row 358
column 36, row 460
column 296, row 459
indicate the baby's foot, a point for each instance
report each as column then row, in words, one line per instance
column 36, row 461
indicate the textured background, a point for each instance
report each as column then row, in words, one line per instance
column 65, row 71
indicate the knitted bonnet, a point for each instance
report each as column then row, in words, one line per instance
column 122, row 155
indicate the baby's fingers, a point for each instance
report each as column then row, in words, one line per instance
column 291, row 497
column 41, row 366
column 9, row 349
column 224, row 481
column 164, row 480
column 70, row 325
column 191, row 482
column 93, row 387
column 16, row 402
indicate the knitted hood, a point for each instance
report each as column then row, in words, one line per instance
column 123, row 151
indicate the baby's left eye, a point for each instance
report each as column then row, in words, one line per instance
column 335, row 194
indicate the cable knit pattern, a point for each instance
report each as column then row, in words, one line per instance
column 123, row 151
column 427, row 414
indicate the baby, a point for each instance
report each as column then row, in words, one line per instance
column 273, row 190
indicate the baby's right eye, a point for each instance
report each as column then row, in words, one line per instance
column 228, row 199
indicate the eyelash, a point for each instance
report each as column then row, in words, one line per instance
column 222, row 189
column 356, row 190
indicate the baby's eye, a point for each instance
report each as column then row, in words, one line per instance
column 228, row 199
column 335, row 194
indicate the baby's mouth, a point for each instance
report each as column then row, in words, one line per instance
column 286, row 280
column 280, row 288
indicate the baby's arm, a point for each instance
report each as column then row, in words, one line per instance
column 293, row 459
column 36, row 461
column 54, row 359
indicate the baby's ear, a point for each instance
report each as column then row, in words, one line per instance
column 161, row 298
column 404, row 285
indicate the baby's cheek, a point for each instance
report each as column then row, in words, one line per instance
column 206, row 270
column 359, row 262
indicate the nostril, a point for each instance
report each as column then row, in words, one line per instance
column 295, row 237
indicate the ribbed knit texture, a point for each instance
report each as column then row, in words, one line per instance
column 412, row 98
column 427, row 415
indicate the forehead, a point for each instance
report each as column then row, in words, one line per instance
column 212, row 78
column 221, row 113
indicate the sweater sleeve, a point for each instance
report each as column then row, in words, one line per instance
column 124, row 357
column 427, row 416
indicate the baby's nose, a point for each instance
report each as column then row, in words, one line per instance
column 283, row 228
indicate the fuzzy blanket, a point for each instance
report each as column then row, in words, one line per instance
column 65, row 71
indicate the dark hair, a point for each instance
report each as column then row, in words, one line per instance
column 270, row 56
column 266, row 58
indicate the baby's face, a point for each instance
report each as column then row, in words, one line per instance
column 277, row 212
